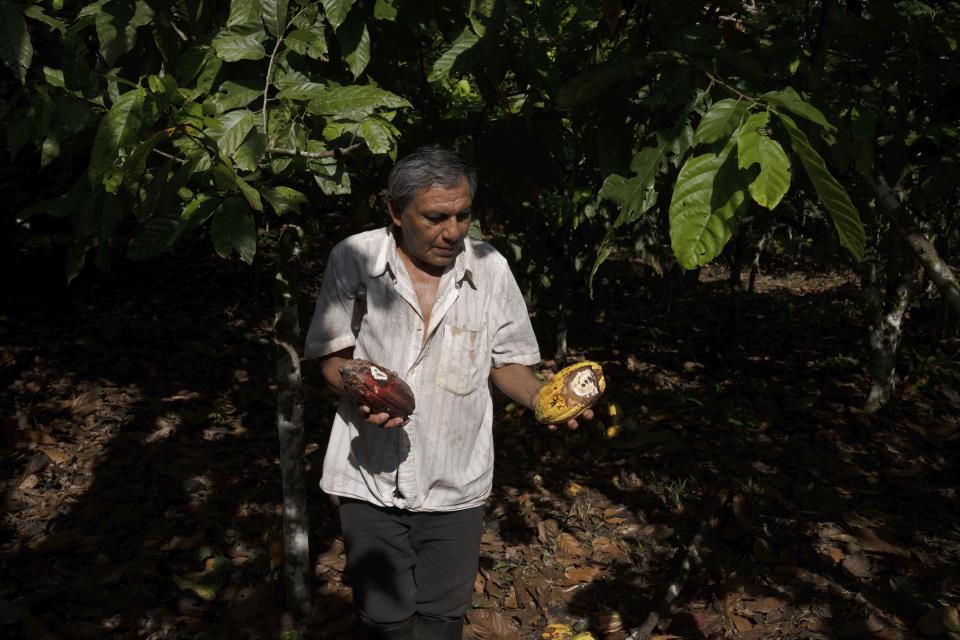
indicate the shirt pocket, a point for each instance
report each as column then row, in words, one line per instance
column 462, row 358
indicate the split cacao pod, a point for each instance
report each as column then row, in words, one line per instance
column 573, row 390
column 378, row 388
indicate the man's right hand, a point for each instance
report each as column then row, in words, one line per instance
column 381, row 419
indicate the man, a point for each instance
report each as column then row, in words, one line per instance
column 423, row 299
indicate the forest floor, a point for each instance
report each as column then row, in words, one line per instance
column 141, row 486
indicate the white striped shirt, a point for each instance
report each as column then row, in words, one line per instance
column 442, row 460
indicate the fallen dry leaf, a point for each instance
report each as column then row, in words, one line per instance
column 490, row 624
column 939, row 620
column 569, row 546
column 742, row 624
column 579, row 575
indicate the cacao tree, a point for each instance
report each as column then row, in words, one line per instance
column 201, row 117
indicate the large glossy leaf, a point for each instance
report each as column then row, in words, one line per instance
column 231, row 128
column 16, row 50
column 355, row 44
column 274, row 16
column 846, row 218
column 707, row 202
column 720, row 121
column 790, row 100
column 481, row 15
column 117, row 24
column 233, row 95
column 226, row 178
column 379, row 134
column 356, row 100
column 118, row 128
column 444, row 64
column 310, row 42
column 250, row 151
column 234, row 229
column 244, row 42
column 284, row 199
column 755, row 146
column 305, row 90
column 336, row 11
column 243, row 12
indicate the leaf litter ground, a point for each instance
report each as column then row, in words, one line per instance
column 141, row 489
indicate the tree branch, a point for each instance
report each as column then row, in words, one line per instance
column 937, row 269
column 273, row 54
column 314, row 155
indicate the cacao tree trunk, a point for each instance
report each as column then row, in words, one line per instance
column 937, row 269
column 885, row 328
column 290, row 425
column 755, row 265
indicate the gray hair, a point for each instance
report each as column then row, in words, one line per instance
column 424, row 168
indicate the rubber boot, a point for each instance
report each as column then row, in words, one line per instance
column 402, row 630
column 430, row 628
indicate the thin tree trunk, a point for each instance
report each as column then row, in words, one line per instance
column 290, row 425
column 562, row 351
column 937, row 269
column 885, row 330
column 755, row 265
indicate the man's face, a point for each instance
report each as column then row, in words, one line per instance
column 435, row 223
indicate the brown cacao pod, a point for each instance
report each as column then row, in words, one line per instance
column 570, row 393
column 378, row 388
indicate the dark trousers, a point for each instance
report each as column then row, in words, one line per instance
column 401, row 563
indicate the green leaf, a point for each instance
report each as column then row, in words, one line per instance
column 336, row 11
column 16, row 50
column 329, row 173
column 846, row 218
column 118, row 128
column 355, row 44
column 250, row 151
column 231, row 128
column 354, row 100
column 720, row 121
column 385, row 10
column 243, row 12
column 196, row 213
column 49, row 151
column 225, row 177
column 304, row 90
column 274, row 16
column 241, row 43
column 136, row 162
column 790, row 100
column 36, row 12
column 587, row 87
column 284, row 199
column 154, row 236
column 637, row 194
column 444, row 64
column 707, row 202
column 480, row 14
column 379, row 134
column 232, row 95
column 117, row 24
column 755, row 146
column 309, row 42
column 234, row 229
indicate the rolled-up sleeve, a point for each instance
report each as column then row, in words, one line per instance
column 513, row 340
column 329, row 329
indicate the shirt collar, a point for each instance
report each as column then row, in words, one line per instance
column 463, row 264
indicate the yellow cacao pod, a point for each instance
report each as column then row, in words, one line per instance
column 570, row 392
